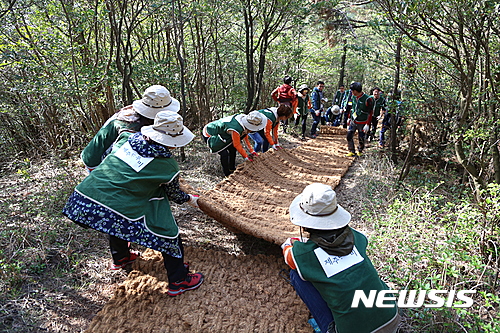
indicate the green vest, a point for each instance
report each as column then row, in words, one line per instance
column 134, row 194
column 379, row 104
column 272, row 115
column 220, row 138
column 360, row 111
column 338, row 289
column 93, row 153
column 302, row 105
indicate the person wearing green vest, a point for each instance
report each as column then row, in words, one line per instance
column 224, row 137
column 361, row 117
column 329, row 266
column 131, row 118
column 128, row 197
column 269, row 134
column 379, row 109
column 303, row 107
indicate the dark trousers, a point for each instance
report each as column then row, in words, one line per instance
column 350, row 137
column 228, row 160
column 386, row 125
column 303, row 121
column 174, row 266
column 373, row 128
column 316, row 121
column 313, row 300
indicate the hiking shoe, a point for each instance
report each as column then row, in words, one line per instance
column 359, row 153
column 125, row 261
column 350, row 154
column 192, row 281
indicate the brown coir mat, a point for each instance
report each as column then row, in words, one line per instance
column 240, row 294
column 255, row 198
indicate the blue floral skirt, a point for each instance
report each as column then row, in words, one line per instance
column 84, row 211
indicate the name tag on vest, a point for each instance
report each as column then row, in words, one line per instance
column 132, row 158
column 334, row 264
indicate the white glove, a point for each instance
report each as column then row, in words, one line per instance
column 379, row 117
column 193, row 200
column 317, row 112
column 366, row 128
column 348, row 122
column 288, row 242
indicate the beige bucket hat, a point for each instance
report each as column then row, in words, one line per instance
column 155, row 99
column 316, row 208
column 168, row 130
column 254, row 121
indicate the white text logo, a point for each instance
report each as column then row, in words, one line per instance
column 409, row 298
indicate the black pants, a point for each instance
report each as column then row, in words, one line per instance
column 174, row 266
column 228, row 160
column 302, row 120
column 373, row 128
column 350, row 137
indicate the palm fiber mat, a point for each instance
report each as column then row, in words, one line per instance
column 240, row 294
column 255, row 198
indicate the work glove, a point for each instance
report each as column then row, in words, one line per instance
column 193, row 200
column 254, row 154
column 288, row 242
column 348, row 122
column 317, row 112
column 366, row 128
column 248, row 159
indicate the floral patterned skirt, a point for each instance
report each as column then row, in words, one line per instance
column 83, row 210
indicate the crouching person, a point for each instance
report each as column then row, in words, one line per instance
column 332, row 264
column 128, row 196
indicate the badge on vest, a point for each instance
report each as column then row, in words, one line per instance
column 334, row 264
column 132, row 158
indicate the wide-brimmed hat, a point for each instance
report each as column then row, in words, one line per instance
column 303, row 87
column 316, row 208
column 155, row 99
column 336, row 110
column 168, row 130
column 254, row 121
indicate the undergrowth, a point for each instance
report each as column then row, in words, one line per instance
column 429, row 234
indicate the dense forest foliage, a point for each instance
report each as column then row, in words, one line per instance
column 67, row 65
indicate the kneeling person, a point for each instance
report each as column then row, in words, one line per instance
column 332, row 264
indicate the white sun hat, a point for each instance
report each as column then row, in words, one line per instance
column 316, row 208
column 155, row 99
column 336, row 110
column 168, row 130
column 254, row 121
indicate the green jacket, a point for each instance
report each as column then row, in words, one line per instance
column 134, row 193
column 338, row 289
column 271, row 114
column 302, row 106
column 380, row 104
column 219, row 131
column 362, row 109
column 93, row 153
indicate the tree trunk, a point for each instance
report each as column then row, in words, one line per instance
column 342, row 65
